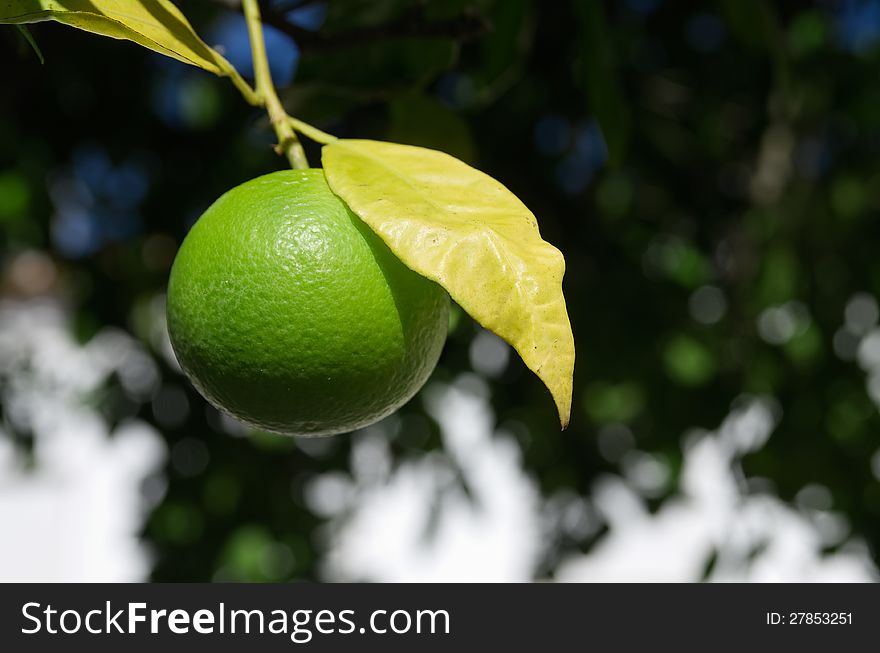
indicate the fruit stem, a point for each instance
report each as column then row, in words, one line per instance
column 288, row 143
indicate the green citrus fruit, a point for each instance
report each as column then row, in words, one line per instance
column 289, row 313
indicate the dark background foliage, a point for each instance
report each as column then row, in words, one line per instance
column 708, row 169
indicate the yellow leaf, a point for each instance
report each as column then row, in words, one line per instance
column 461, row 228
column 154, row 24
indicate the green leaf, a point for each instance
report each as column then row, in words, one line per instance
column 504, row 49
column 461, row 228
column 154, row 24
column 26, row 33
column 321, row 102
column 419, row 119
column 383, row 68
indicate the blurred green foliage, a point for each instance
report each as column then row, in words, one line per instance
column 718, row 256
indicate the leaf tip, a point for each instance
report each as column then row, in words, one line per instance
column 564, row 415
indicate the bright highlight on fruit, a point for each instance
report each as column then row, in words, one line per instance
column 287, row 312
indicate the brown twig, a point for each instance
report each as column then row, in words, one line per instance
column 411, row 24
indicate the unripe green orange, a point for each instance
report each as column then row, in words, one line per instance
column 287, row 312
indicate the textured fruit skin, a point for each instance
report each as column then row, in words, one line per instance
column 289, row 313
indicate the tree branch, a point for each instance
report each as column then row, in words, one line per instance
column 411, row 24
